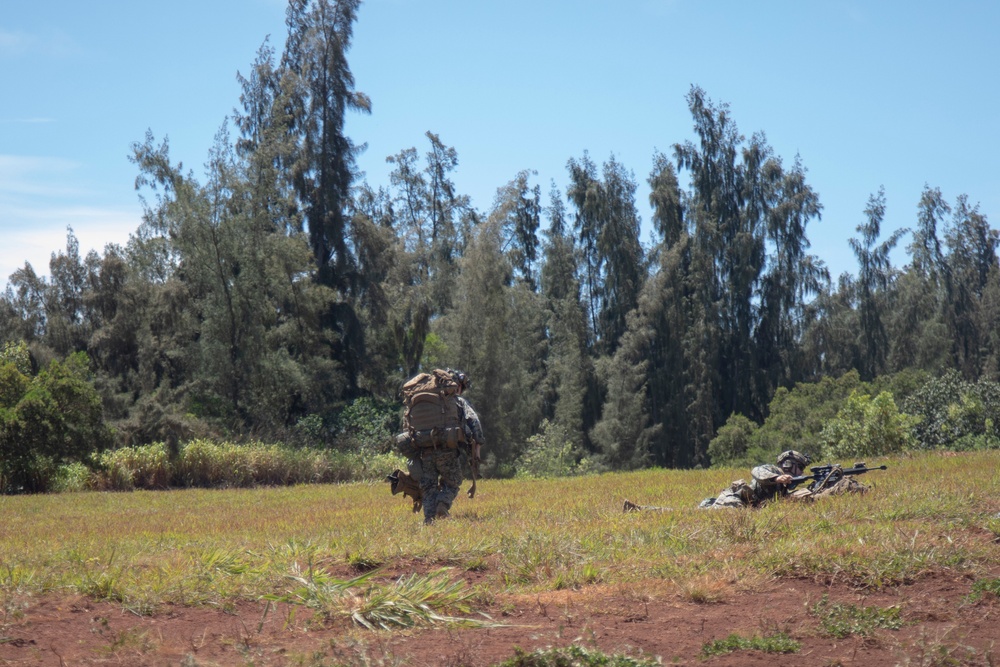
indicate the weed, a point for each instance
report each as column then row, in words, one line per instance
column 362, row 562
column 476, row 564
column 984, row 588
column 840, row 620
column 775, row 643
column 704, row 589
column 134, row 639
column 573, row 656
column 415, row 600
column 937, row 651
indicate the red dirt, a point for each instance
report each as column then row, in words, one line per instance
column 643, row 620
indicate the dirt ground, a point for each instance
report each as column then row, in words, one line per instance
column 648, row 620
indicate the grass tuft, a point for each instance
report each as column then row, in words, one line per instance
column 841, row 620
column 407, row 602
column 776, row 643
column 573, row 656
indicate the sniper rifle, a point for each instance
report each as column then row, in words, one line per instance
column 827, row 475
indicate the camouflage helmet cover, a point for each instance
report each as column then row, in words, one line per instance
column 791, row 457
column 461, row 378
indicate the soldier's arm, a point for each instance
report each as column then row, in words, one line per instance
column 769, row 475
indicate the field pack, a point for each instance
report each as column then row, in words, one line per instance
column 433, row 417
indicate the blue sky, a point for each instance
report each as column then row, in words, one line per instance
column 868, row 94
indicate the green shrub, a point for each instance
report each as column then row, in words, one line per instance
column 867, row 427
column 796, row 417
column 367, row 423
column 550, row 453
column 729, row 446
column 956, row 414
column 52, row 419
column 206, row 464
column 984, row 588
column 72, row 478
column 142, row 467
column 358, row 466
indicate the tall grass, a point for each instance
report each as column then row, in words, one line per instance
column 925, row 514
column 206, row 464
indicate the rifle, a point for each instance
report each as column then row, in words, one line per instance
column 829, row 474
column 474, row 466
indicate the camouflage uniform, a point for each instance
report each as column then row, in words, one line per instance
column 762, row 488
column 763, row 485
column 440, row 469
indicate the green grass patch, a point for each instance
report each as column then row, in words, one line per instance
column 842, row 620
column 574, row 656
column 778, row 642
column 984, row 588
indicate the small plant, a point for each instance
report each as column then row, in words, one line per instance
column 841, row 620
column 362, row 562
column 984, row 588
column 704, row 589
column 776, row 643
column 573, row 656
column 408, row 602
column 938, row 651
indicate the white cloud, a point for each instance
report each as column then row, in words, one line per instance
column 14, row 43
column 39, row 198
column 38, row 233
column 30, row 176
column 27, row 121
column 55, row 44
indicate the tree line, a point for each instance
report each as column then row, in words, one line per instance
column 278, row 290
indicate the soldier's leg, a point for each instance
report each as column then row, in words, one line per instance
column 728, row 498
column 429, row 485
column 450, row 472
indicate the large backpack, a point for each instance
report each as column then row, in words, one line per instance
column 432, row 416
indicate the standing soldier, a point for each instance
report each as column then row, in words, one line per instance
column 439, row 425
column 441, row 468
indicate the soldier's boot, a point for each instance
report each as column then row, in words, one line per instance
column 629, row 506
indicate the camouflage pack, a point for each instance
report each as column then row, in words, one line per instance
column 432, row 416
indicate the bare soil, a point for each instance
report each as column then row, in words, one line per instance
column 647, row 619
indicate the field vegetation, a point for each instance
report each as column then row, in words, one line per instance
column 193, row 547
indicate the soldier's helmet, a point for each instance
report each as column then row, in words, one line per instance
column 462, row 379
column 791, row 458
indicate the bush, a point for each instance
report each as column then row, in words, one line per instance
column 367, row 424
column 46, row 421
column 71, row 478
column 868, row 427
column 730, row 444
column 206, row 464
column 143, row 467
column 796, row 417
column 957, row 414
column 550, row 453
